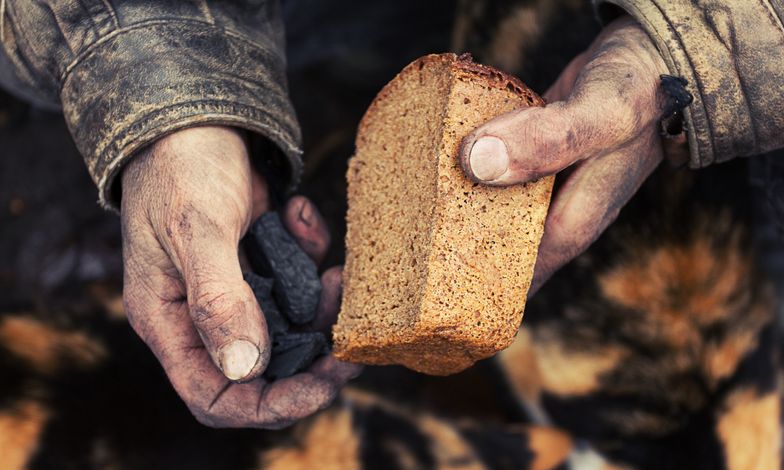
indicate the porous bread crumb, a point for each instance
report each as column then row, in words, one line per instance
column 437, row 267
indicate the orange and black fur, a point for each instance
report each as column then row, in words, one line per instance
column 656, row 349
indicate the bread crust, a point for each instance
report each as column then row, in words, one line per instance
column 463, row 63
column 447, row 336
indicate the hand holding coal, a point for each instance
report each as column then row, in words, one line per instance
column 183, row 286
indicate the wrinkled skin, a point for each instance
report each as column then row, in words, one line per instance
column 602, row 123
column 189, row 198
column 186, row 202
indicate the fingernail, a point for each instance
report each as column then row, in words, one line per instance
column 238, row 358
column 306, row 213
column 489, row 158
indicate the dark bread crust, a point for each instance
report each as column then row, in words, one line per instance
column 463, row 63
column 494, row 77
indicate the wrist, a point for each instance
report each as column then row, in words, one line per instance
column 185, row 150
column 201, row 168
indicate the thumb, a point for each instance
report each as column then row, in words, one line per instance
column 221, row 305
column 611, row 104
column 525, row 145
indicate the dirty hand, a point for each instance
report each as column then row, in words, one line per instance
column 602, row 123
column 186, row 202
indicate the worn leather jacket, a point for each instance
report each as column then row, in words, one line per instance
column 126, row 72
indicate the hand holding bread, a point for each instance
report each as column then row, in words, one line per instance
column 601, row 122
column 437, row 266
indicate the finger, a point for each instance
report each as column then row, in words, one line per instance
column 259, row 195
column 214, row 400
column 166, row 327
column 288, row 400
column 612, row 102
column 327, row 314
column 338, row 372
column 304, row 222
column 274, row 405
column 329, row 303
column 588, row 202
column 221, row 305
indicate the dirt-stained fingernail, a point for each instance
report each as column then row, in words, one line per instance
column 238, row 358
column 489, row 158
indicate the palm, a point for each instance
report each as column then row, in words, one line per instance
column 185, row 206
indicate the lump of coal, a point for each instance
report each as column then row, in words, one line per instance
column 293, row 352
column 262, row 289
column 287, row 288
column 273, row 252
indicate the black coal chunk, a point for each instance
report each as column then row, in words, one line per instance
column 287, row 288
column 294, row 352
column 262, row 289
column 274, row 253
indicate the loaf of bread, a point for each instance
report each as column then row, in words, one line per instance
column 437, row 267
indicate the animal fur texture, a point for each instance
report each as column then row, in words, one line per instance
column 655, row 349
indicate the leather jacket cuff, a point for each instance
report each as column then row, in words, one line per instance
column 732, row 55
column 142, row 83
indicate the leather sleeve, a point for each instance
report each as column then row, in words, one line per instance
column 732, row 54
column 127, row 72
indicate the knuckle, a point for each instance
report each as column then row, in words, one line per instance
column 207, row 418
column 625, row 120
column 207, row 415
column 628, row 91
column 553, row 135
column 333, row 276
column 328, row 399
column 178, row 222
column 187, row 222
